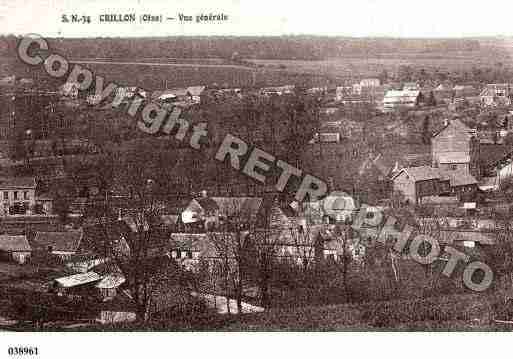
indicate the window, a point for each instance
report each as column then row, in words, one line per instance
column 6, row 195
column 25, row 195
column 453, row 167
column 15, row 194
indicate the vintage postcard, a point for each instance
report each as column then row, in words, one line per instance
column 253, row 166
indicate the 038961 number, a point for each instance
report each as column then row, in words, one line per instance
column 22, row 351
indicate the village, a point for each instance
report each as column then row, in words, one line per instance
column 92, row 237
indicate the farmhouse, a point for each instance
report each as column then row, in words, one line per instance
column 455, row 147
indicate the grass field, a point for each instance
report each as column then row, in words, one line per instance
column 275, row 72
column 460, row 312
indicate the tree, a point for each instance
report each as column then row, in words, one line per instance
column 426, row 134
column 431, row 100
column 140, row 251
column 383, row 77
column 343, row 234
column 61, row 205
column 506, row 189
column 265, row 242
column 508, row 140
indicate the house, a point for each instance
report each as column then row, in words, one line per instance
column 279, row 226
column 395, row 99
column 109, row 285
column 129, row 92
column 464, row 91
column 278, row 90
column 335, row 248
column 359, row 88
column 72, row 283
column 8, row 80
column 371, row 82
column 461, row 182
column 331, row 209
column 456, row 147
column 14, row 248
column 443, row 92
column 44, row 204
column 194, row 93
column 170, row 95
column 70, row 90
column 326, row 137
column 417, row 182
column 18, row 195
column 423, row 182
column 205, row 211
column 342, row 91
column 496, row 95
column 466, row 238
column 411, row 86
column 61, row 244
column 296, row 234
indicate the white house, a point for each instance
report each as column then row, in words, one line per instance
column 18, row 195
column 395, row 99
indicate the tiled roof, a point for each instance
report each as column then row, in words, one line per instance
column 14, row 243
column 459, row 177
column 17, row 182
column 78, row 279
column 58, row 241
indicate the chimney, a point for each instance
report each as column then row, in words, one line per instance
column 446, row 122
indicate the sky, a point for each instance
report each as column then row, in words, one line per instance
column 358, row 18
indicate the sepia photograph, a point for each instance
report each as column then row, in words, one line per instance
column 174, row 168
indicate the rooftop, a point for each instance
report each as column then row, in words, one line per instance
column 10, row 243
column 459, row 177
column 421, row 173
column 17, row 182
column 58, row 241
column 78, row 279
